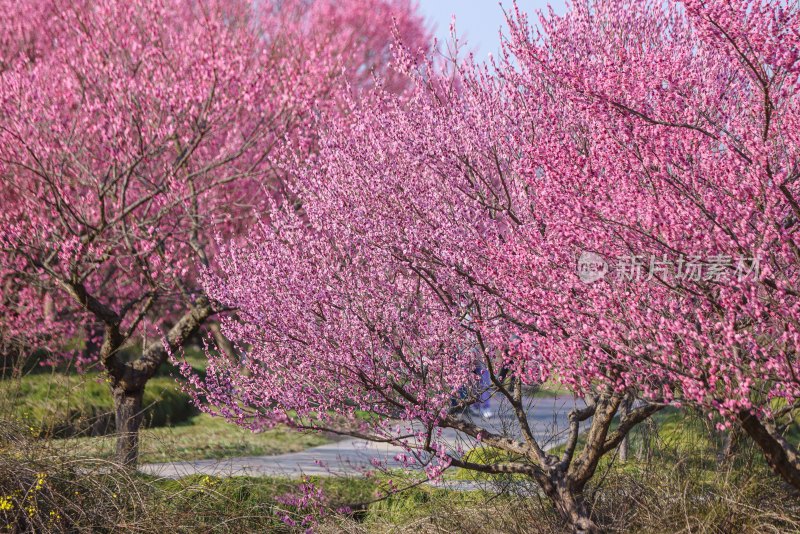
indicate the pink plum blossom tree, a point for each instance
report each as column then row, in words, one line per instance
column 671, row 153
column 657, row 140
column 131, row 130
column 367, row 311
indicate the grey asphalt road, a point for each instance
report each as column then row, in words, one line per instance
column 547, row 418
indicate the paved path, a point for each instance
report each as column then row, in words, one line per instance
column 547, row 418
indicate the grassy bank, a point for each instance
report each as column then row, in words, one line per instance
column 62, row 405
column 201, row 437
column 667, row 490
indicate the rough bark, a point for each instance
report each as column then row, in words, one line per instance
column 556, row 484
column 570, row 504
column 583, row 467
column 730, row 444
column 624, row 444
column 561, row 479
column 130, row 378
column 224, row 344
column 128, row 418
column 645, row 450
column 779, row 453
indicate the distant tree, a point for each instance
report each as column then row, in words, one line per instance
column 131, row 130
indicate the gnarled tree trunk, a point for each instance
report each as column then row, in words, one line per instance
column 562, row 479
column 570, row 504
column 781, row 455
column 130, row 378
column 129, row 415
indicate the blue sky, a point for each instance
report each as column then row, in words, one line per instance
column 477, row 20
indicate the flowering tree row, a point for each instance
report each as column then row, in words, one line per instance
column 441, row 231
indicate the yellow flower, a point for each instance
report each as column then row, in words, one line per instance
column 207, row 481
column 6, row 503
column 40, row 481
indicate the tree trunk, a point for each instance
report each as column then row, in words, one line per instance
column 730, row 444
column 129, row 415
column 623, row 450
column 571, row 507
column 224, row 344
column 644, row 452
column 130, row 377
column 624, row 409
column 781, row 455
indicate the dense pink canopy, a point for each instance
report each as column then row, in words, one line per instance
column 131, row 131
column 673, row 141
column 661, row 138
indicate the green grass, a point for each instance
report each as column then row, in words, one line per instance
column 419, row 502
column 201, row 437
column 667, row 489
column 257, row 491
column 77, row 406
column 211, row 498
column 675, row 430
column 63, row 405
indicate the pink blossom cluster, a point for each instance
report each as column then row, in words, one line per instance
column 441, row 230
column 132, row 132
column 674, row 135
column 308, row 503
